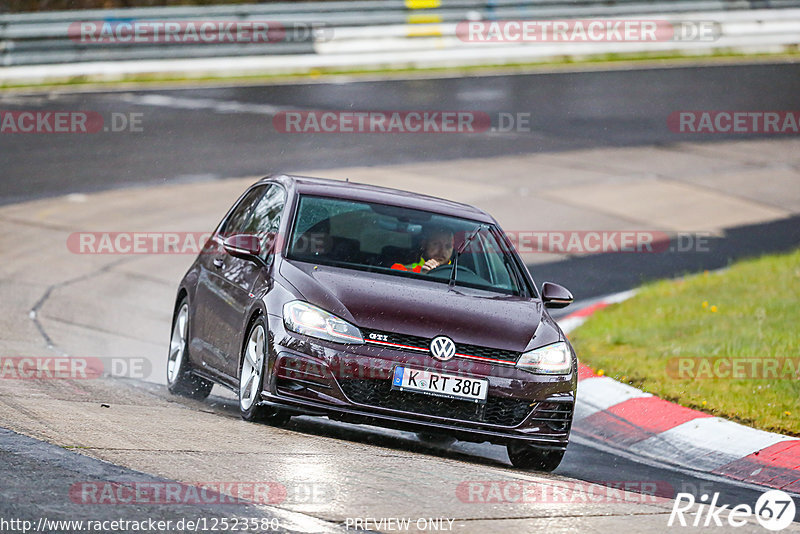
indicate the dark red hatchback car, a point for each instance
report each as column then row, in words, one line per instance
column 377, row 306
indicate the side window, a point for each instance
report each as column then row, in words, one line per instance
column 237, row 221
column 265, row 218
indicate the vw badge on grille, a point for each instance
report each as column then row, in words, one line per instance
column 443, row 348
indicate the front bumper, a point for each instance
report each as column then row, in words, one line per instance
column 353, row 383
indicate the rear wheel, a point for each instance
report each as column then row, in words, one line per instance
column 251, row 379
column 524, row 456
column 180, row 380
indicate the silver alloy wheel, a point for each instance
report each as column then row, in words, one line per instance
column 177, row 344
column 252, row 367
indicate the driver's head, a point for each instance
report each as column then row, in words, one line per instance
column 437, row 244
column 318, row 238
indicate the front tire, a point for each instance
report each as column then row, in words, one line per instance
column 251, row 379
column 525, row 456
column 180, row 379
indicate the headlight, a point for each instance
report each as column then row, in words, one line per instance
column 553, row 359
column 307, row 319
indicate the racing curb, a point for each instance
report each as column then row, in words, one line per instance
column 622, row 416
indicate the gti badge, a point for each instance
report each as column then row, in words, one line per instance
column 443, row 348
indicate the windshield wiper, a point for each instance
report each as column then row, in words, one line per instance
column 461, row 249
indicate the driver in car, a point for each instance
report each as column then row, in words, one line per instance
column 437, row 249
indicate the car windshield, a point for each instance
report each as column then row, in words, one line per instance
column 399, row 241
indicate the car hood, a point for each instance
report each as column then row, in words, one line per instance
column 417, row 307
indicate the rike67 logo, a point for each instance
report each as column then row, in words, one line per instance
column 774, row 510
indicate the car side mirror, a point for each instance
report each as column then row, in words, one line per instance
column 556, row 296
column 244, row 246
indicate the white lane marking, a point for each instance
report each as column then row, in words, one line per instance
column 616, row 298
column 596, row 394
column 219, row 106
column 33, row 99
column 707, row 443
column 472, row 95
column 77, row 198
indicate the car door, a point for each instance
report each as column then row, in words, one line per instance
column 243, row 283
column 222, row 279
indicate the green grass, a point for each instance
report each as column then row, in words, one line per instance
column 751, row 310
column 323, row 74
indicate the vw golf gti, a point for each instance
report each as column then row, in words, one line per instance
column 378, row 306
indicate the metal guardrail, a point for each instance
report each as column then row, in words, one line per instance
column 45, row 38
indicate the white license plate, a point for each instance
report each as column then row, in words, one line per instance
column 440, row 384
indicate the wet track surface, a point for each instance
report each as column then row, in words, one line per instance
column 197, row 134
column 205, row 134
column 330, row 471
column 601, row 274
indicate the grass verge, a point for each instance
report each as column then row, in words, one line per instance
column 698, row 342
column 555, row 64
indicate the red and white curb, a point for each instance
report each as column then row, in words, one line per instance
column 627, row 418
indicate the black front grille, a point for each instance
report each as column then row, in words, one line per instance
column 555, row 415
column 379, row 393
column 424, row 343
column 486, row 352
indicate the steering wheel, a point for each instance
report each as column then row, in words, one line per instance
column 449, row 267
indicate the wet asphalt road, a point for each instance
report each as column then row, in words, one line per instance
column 195, row 134
column 206, row 133
column 198, row 134
column 58, row 476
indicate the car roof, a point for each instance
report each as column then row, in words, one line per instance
column 308, row 185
